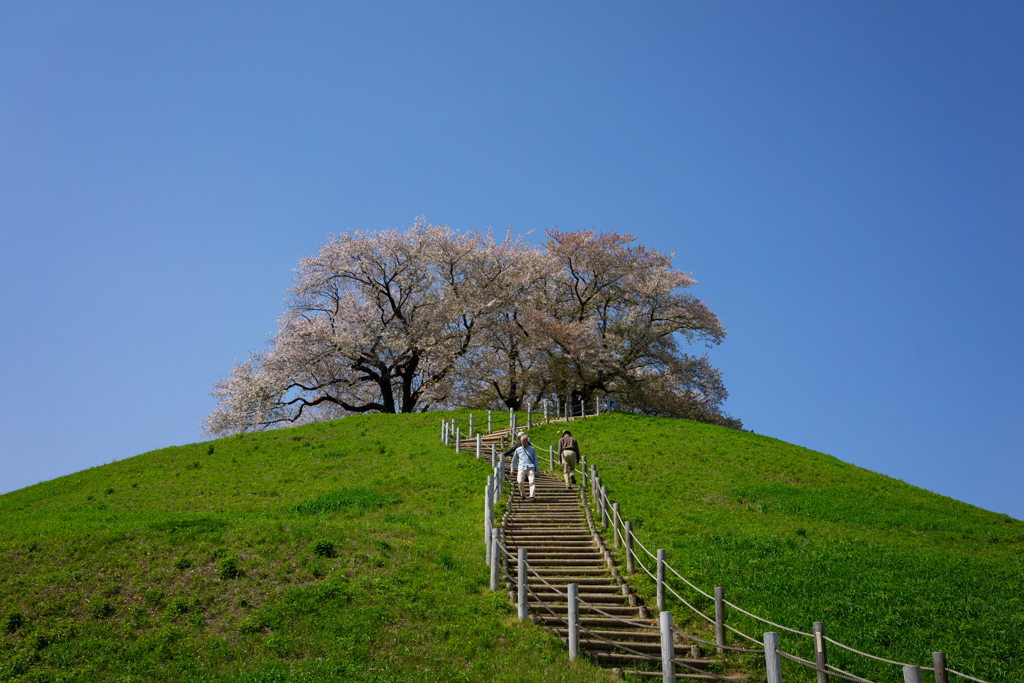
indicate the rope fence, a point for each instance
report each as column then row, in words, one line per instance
column 625, row 538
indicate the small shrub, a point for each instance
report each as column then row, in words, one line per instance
column 251, row 625
column 101, row 609
column 218, row 553
column 324, row 548
column 135, row 486
column 182, row 563
column 334, row 454
column 178, row 605
column 108, row 491
column 209, row 449
column 88, row 497
column 229, row 568
column 801, row 531
column 194, row 466
column 13, row 621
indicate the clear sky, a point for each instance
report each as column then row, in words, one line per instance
column 845, row 180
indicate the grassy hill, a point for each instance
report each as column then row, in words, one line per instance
column 342, row 551
column 352, row 550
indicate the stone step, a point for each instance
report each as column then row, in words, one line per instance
column 624, row 658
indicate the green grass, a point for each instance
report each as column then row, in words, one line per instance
column 343, row 551
column 797, row 536
column 352, row 550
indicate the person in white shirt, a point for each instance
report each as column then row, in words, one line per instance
column 526, row 459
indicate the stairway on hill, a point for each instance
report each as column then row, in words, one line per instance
column 564, row 547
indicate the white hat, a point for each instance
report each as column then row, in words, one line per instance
column 521, row 435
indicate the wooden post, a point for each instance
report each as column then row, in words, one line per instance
column 820, row 655
column 615, row 525
column 547, row 416
column 630, row 567
column 479, row 446
column 501, row 465
column 668, row 649
column 598, row 407
column 470, row 435
column 490, row 422
column 574, row 621
column 529, row 415
column 661, row 580
column 604, row 508
column 488, row 517
column 458, row 439
column 568, row 413
column 772, row 659
column 558, row 408
column 495, row 559
column 939, row 662
column 497, row 487
column 551, row 458
column 523, row 608
column 911, row 674
column 720, row 618
column 444, row 428
column 512, row 420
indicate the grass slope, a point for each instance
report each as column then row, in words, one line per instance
column 343, row 551
column 797, row 536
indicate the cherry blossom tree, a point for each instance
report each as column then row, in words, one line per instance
column 376, row 321
column 615, row 324
column 399, row 322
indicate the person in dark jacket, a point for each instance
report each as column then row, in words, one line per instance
column 569, row 454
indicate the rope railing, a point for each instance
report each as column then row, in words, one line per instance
column 605, row 508
column 815, row 667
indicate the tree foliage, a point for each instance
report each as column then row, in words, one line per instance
column 400, row 322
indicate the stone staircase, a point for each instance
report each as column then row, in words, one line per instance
column 563, row 547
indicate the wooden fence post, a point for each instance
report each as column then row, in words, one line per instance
column 661, row 580
column 529, row 415
column 668, row 649
column 772, row 659
column 630, row 567
column 720, row 618
column 479, row 446
column 615, row 525
column 551, row 458
column 939, row 662
column 495, row 559
column 820, row 655
column 488, row 516
column 547, row 416
column 490, row 422
column 911, row 674
column 458, row 439
column 470, row 435
column 444, row 428
column 523, row 608
column 574, row 621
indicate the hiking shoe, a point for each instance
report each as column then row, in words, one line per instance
column 532, row 498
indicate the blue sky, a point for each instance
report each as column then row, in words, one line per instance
column 844, row 180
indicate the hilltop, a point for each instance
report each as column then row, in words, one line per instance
column 351, row 550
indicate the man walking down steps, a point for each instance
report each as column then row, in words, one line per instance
column 526, row 457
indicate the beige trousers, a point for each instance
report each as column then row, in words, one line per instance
column 569, row 466
column 531, row 474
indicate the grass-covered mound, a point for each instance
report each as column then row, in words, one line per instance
column 349, row 550
column 797, row 536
